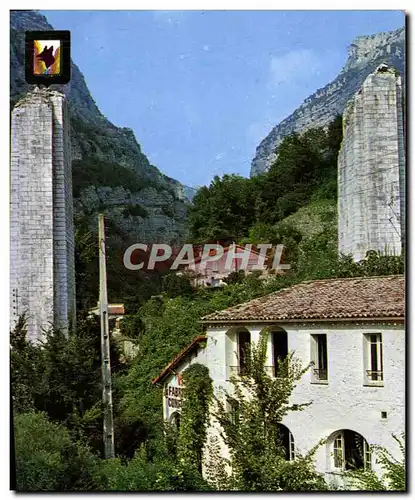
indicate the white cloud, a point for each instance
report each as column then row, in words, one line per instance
column 294, row 67
column 206, row 48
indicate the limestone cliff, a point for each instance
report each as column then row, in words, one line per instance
column 95, row 139
column 365, row 54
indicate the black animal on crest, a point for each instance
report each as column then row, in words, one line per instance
column 47, row 56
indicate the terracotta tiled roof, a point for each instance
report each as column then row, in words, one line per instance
column 331, row 299
column 113, row 309
column 238, row 250
column 116, row 309
column 183, row 353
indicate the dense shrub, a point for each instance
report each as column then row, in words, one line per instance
column 48, row 459
column 142, row 474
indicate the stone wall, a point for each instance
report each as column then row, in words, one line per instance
column 42, row 235
column 371, row 169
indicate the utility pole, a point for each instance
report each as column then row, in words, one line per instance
column 105, row 344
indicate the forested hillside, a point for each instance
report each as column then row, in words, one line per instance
column 256, row 209
column 111, row 174
column 57, row 387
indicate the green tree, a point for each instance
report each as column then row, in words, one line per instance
column 169, row 325
column 86, row 263
column 291, row 178
column 317, row 256
column 375, row 264
column 143, row 474
column 71, row 372
column 61, row 376
column 305, row 169
column 26, row 375
column 250, row 416
column 132, row 326
column 176, row 285
column 393, row 475
column 196, row 400
column 48, row 459
column 226, row 208
column 235, row 277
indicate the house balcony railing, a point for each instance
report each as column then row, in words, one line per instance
column 376, row 375
column 320, row 373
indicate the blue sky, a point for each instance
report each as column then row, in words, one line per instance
column 201, row 89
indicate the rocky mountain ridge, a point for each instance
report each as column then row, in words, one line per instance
column 161, row 199
column 365, row 54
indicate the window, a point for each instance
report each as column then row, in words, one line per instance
column 279, row 349
column 244, row 342
column 286, row 440
column 351, row 451
column 373, row 359
column 319, row 358
column 338, row 449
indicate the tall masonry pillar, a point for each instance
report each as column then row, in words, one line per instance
column 371, row 168
column 42, row 263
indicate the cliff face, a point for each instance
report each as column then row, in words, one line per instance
column 95, row 139
column 365, row 54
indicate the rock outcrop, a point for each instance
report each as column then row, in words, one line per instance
column 365, row 54
column 94, row 138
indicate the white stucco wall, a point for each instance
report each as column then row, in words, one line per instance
column 345, row 402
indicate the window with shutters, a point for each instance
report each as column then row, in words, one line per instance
column 350, row 451
column 319, row 359
column 373, row 359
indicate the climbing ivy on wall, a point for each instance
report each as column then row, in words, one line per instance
column 197, row 396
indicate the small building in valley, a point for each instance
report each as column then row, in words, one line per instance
column 213, row 273
column 351, row 331
column 116, row 313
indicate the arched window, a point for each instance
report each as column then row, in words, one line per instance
column 350, row 451
column 286, row 440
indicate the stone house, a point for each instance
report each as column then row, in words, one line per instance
column 116, row 313
column 351, row 331
column 213, row 272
